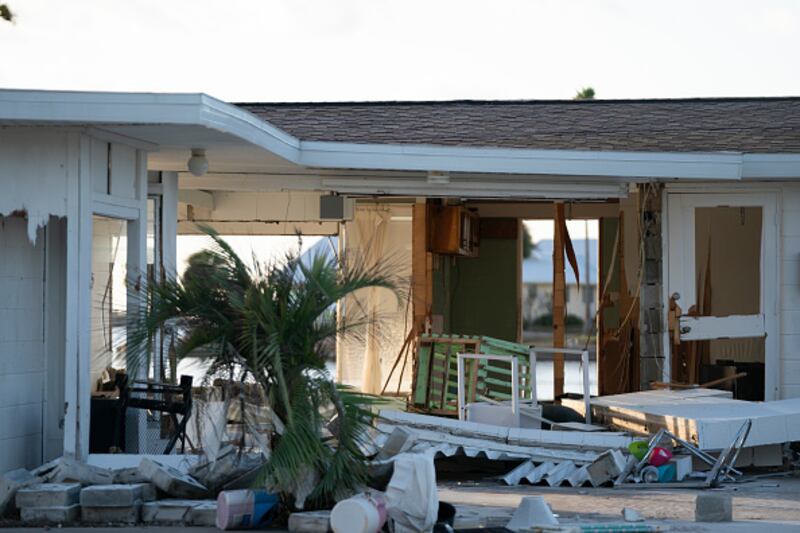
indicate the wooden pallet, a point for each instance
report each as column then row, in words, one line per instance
column 435, row 387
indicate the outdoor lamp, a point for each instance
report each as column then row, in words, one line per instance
column 198, row 164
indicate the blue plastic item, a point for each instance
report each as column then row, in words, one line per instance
column 667, row 473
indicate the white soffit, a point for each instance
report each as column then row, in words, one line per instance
column 128, row 112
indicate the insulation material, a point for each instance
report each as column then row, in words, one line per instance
column 33, row 175
column 379, row 233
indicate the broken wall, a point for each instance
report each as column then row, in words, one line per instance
column 382, row 233
column 481, row 295
column 22, row 348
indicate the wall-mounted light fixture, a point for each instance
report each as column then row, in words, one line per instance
column 198, row 164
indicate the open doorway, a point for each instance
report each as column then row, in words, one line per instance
column 580, row 296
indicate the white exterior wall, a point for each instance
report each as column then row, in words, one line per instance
column 53, row 180
column 22, row 349
column 789, row 291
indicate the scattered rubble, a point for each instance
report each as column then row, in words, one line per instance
column 404, row 448
column 172, row 481
column 11, row 482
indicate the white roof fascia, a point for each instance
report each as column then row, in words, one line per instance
column 771, row 166
column 641, row 165
column 73, row 107
column 98, row 108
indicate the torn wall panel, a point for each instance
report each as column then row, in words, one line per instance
column 379, row 233
column 34, row 173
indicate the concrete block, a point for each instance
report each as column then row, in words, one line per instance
column 203, row 514
column 713, row 507
column 112, row 515
column 400, row 440
column 111, row 495
column 50, row 515
column 170, row 480
column 149, row 492
column 127, row 476
column 167, row 511
column 606, row 468
column 71, row 470
column 10, row 483
column 310, row 522
column 49, row 495
column 532, row 511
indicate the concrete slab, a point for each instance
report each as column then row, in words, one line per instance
column 606, row 468
column 127, row 475
column 310, row 522
column 171, row 480
column 49, row 495
column 10, row 483
column 111, row 495
column 112, row 515
column 50, row 515
column 167, row 511
column 203, row 514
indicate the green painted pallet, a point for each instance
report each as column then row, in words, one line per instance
column 436, row 371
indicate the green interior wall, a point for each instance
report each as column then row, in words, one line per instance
column 478, row 295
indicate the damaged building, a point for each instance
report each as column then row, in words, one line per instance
column 698, row 263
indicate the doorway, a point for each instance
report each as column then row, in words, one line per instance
column 722, row 283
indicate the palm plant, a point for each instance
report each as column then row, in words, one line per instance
column 266, row 325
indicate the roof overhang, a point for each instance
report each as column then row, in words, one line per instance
column 174, row 122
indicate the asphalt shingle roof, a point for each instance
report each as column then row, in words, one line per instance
column 754, row 125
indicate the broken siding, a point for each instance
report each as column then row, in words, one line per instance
column 33, row 174
column 790, row 293
column 22, row 354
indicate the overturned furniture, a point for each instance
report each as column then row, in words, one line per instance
column 166, row 398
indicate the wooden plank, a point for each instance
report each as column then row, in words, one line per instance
column 419, row 266
column 559, row 301
column 721, row 327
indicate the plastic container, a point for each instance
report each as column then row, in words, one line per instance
column 638, row 448
column 660, row 456
column 365, row 513
column 667, row 473
column 245, row 509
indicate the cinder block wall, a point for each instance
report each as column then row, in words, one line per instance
column 22, row 353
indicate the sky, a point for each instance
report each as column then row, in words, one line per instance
column 301, row 50
column 334, row 50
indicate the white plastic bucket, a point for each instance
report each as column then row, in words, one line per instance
column 365, row 513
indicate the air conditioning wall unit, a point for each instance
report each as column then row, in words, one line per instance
column 336, row 207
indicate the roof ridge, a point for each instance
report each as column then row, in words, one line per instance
column 701, row 99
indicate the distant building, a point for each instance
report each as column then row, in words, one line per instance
column 537, row 283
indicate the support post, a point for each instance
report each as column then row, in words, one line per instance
column 652, row 359
column 559, row 300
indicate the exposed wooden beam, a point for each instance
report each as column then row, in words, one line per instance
column 559, row 300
